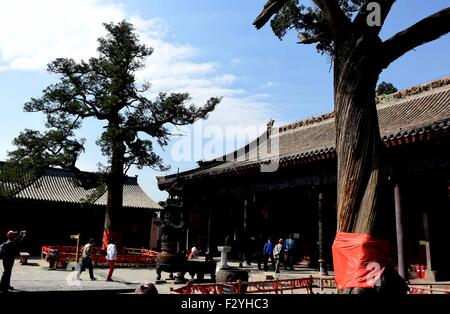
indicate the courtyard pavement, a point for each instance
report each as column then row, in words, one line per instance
column 37, row 277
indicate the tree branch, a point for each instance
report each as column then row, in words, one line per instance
column 332, row 11
column 428, row 29
column 271, row 8
column 127, row 167
column 304, row 39
column 152, row 129
column 91, row 109
column 361, row 19
column 336, row 18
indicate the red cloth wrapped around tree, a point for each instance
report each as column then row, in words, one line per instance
column 359, row 260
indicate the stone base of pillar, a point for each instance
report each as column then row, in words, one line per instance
column 430, row 275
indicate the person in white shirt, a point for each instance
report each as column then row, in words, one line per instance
column 111, row 257
column 194, row 252
column 278, row 254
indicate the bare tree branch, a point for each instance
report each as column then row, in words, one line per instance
column 336, row 18
column 271, row 8
column 428, row 29
column 304, row 39
column 127, row 167
column 361, row 19
column 332, row 11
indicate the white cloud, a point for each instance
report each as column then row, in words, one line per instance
column 260, row 95
column 235, row 61
column 41, row 31
column 47, row 29
column 226, row 79
column 268, row 85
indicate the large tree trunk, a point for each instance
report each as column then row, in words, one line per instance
column 115, row 195
column 358, row 146
column 357, row 138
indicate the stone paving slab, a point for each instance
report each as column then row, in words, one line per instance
column 38, row 277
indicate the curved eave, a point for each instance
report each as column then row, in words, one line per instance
column 394, row 139
column 28, row 199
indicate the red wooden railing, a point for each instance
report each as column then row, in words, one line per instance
column 428, row 289
column 253, row 287
column 129, row 257
column 281, row 286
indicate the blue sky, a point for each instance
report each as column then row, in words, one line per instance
column 207, row 48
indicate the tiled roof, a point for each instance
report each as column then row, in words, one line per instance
column 133, row 196
column 402, row 114
column 58, row 185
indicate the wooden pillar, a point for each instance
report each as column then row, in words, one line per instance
column 399, row 232
column 187, row 240
column 245, row 214
column 429, row 273
column 427, row 239
column 154, row 233
column 209, row 229
column 78, row 248
column 244, row 236
column 319, row 210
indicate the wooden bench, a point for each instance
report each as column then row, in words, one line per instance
column 24, row 258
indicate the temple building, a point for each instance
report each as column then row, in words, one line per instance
column 284, row 182
column 57, row 205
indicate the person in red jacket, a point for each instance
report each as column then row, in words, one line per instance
column 9, row 251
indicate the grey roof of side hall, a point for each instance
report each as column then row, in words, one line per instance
column 59, row 185
column 400, row 114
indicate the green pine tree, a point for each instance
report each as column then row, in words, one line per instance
column 105, row 88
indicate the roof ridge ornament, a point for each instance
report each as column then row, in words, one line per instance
column 413, row 90
column 270, row 127
column 309, row 121
column 383, row 99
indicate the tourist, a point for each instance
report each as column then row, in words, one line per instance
column 268, row 254
column 289, row 251
column 278, row 254
column 86, row 260
column 194, row 252
column 8, row 252
column 111, row 257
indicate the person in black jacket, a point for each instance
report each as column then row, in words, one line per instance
column 9, row 252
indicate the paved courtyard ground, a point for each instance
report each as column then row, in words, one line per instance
column 38, row 277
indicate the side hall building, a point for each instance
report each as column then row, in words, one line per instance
column 284, row 182
column 57, row 205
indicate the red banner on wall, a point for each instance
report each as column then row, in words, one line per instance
column 359, row 260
